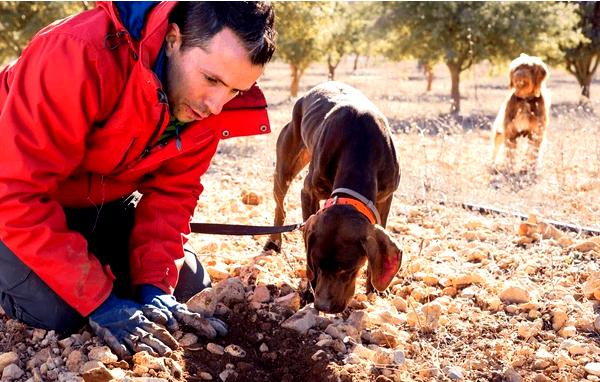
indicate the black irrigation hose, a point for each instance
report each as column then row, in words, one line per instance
column 560, row 225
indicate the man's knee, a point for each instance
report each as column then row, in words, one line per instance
column 52, row 314
column 192, row 277
column 25, row 297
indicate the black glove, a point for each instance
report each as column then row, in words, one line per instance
column 122, row 325
column 163, row 309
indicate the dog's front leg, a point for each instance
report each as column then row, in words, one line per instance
column 309, row 199
column 511, row 148
column 533, row 152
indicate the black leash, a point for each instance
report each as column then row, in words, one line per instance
column 238, row 229
column 559, row 225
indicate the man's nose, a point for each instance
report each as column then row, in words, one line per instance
column 216, row 101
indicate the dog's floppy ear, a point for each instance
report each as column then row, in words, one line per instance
column 510, row 79
column 384, row 257
column 540, row 72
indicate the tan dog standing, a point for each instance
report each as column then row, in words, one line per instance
column 525, row 112
column 353, row 166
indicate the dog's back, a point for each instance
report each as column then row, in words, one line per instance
column 325, row 104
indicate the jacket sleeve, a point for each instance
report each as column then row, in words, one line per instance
column 51, row 100
column 163, row 215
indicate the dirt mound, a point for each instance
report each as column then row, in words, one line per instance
column 272, row 353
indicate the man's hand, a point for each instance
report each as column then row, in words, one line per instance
column 164, row 309
column 122, row 325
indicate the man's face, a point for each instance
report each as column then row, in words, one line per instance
column 201, row 80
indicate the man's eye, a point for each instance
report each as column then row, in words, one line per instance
column 211, row 80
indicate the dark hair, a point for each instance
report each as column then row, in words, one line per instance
column 251, row 21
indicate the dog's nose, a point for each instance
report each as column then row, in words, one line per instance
column 323, row 305
column 328, row 306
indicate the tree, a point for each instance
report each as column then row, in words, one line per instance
column 299, row 27
column 582, row 60
column 461, row 34
column 21, row 20
column 347, row 27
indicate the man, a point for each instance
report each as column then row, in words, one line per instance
column 126, row 97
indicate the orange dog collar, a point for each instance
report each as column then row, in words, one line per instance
column 360, row 206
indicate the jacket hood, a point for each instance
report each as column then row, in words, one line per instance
column 145, row 24
column 133, row 15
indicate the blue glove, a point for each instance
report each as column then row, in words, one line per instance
column 122, row 325
column 163, row 309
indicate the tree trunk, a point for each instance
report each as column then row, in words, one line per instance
column 296, row 73
column 428, row 75
column 455, row 90
column 583, row 68
column 331, row 68
column 355, row 65
column 585, row 87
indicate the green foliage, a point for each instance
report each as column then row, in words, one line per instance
column 347, row 29
column 582, row 59
column 461, row 34
column 464, row 33
column 300, row 31
column 21, row 20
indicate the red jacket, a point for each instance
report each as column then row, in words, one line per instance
column 80, row 115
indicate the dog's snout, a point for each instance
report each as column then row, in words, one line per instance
column 328, row 306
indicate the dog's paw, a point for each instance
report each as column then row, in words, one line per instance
column 273, row 245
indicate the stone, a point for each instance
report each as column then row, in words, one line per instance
column 38, row 334
column 251, row 198
column 225, row 374
column 230, row 291
column 261, row 294
column 235, row 351
column 359, row 319
column 455, row 373
column 89, row 365
column 515, row 294
column 188, row 339
column 302, row 320
column 75, row 360
column 203, row 302
column 319, row 355
column 592, row 368
column 98, row 374
column 144, row 359
column 511, row 375
column 215, row 349
column 574, row 347
column 11, row 372
column 290, row 300
column 102, row 354
column 559, row 318
column 8, row 358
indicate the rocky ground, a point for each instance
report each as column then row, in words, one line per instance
column 479, row 297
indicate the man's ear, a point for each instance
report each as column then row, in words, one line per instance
column 172, row 39
column 385, row 257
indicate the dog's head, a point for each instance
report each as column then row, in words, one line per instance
column 339, row 241
column 527, row 75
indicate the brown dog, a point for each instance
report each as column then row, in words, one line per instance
column 525, row 112
column 353, row 165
